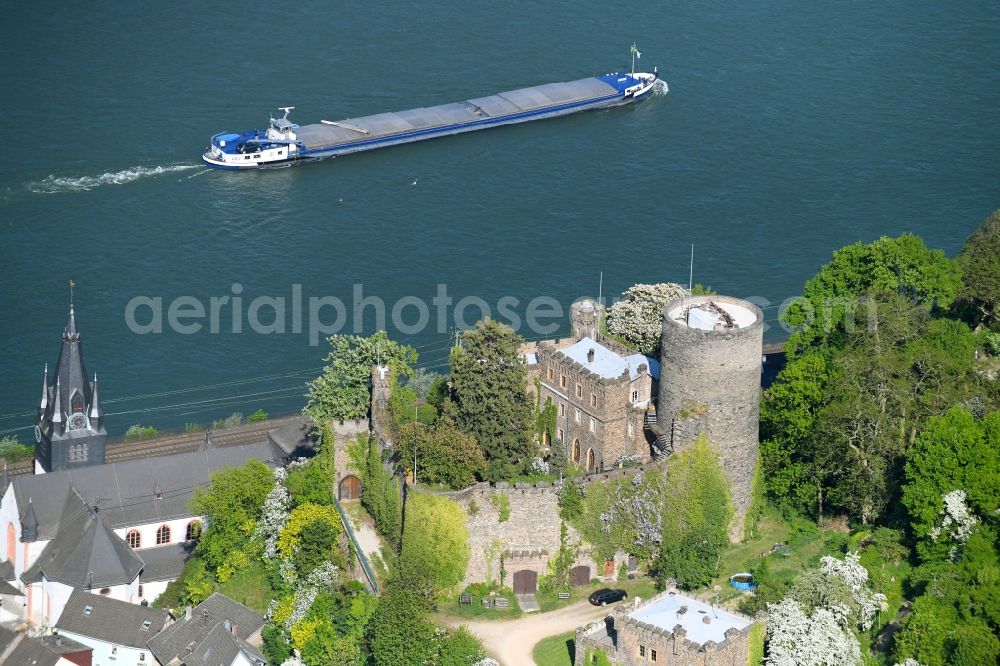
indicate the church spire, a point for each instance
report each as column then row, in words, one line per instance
column 57, row 415
column 45, row 391
column 70, row 425
column 29, row 526
column 96, row 409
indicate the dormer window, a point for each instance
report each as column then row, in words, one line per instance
column 76, row 402
column 146, row 624
column 87, row 610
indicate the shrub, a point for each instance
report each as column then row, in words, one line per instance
column 138, row 431
column 12, row 450
column 502, row 503
column 234, row 419
column 257, row 417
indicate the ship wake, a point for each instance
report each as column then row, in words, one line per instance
column 55, row 184
column 660, row 88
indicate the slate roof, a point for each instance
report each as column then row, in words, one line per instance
column 295, row 437
column 220, row 648
column 6, row 575
column 85, row 552
column 204, row 618
column 7, row 570
column 111, row 620
column 164, row 562
column 20, row 650
column 607, row 363
column 125, row 488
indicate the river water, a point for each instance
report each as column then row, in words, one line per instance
column 790, row 129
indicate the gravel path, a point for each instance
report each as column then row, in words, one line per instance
column 511, row 641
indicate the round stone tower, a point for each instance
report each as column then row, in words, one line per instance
column 584, row 318
column 710, row 367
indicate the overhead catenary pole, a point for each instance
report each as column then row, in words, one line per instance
column 691, row 269
column 600, row 302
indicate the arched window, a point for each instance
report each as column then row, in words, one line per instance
column 163, row 535
column 576, row 450
column 590, row 460
column 134, row 539
column 11, row 543
column 193, row 530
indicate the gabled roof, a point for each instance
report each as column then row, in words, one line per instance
column 111, row 620
column 19, row 649
column 125, row 489
column 220, row 648
column 295, row 437
column 85, row 553
column 193, row 630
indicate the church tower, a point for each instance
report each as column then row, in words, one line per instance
column 69, row 428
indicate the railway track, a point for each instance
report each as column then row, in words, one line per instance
column 121, row 451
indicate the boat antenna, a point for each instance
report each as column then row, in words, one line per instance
column 635, row 54
column 287, row 110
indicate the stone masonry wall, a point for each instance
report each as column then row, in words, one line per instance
column 710, row 382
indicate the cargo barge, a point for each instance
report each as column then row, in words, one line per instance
column 284, row 143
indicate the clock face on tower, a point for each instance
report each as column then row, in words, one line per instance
column 77, row 422
column 38, row 434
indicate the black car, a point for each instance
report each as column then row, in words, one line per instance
column 606, row 596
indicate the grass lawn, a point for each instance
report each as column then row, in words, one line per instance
column 640, row 587
column 477, row 611
column 250, row 587
column 556, row 650
column 798, row 556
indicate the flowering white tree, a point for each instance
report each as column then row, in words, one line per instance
column 637, row 507
column 796, row 638
column 840, row 597
column 957, row 521
column 274, row 515
column 638, row 317
column 850, row 570
column 321, row 578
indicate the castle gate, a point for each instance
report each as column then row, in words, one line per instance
column 350, row 487
column 525, row 582
column 579, row 575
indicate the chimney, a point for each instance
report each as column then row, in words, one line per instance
column 590, row 355
column 187, row 612
column 706, row 620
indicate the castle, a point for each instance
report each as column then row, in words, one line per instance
column 615, row 406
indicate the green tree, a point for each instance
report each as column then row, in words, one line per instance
column 925, row 632
column 435, row 550
column 231, row 505
column 954, row 452
column 313, row 482
column 444, row 454
column 696, row 514
column 830, row 306
column 343, row 391
column 980, row 262
column 399, row 633
column 490, row 397
column 379, row 489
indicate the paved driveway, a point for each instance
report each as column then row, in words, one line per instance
column 511, row 641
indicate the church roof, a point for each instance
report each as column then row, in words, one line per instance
column 201, row 628
column 18, row 648
column 85, row 553
column 126, row 489
column 165, row 562
column 71, row 372
column 110, row 620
